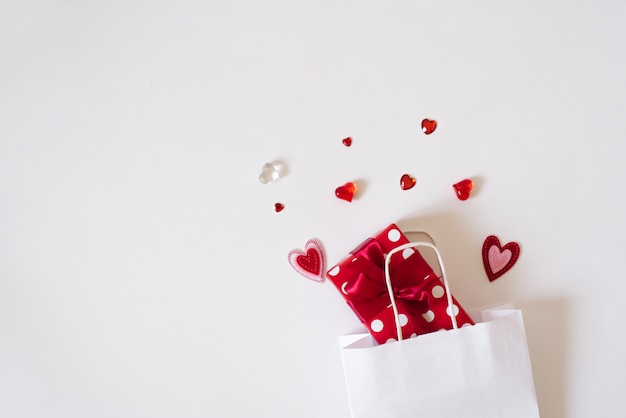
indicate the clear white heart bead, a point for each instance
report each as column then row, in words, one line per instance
column 271, row 172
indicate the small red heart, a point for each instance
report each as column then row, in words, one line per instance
column 310, row 262
column 347, row 141
column 346, row 192
column 463, row 189
column 429, row 126
column 278, row 207
column 407, row 182
column 499, row 259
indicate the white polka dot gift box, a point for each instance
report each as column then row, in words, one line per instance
column 420, row 296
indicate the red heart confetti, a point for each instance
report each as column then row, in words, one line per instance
column 498, row 259
column 347, row 141
column 463, row 189
column 311, row 262
column 429, row 126
column 346, row 192
column 278, row 207
column 407, row 181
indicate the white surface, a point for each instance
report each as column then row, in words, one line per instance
column 143, row 269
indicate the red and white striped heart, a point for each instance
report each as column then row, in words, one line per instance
column 311, row 262
column 498, row 259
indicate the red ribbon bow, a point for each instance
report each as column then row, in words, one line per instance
column 368, row 291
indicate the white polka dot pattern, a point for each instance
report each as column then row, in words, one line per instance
column 407, row 252
column 429, row 316
column 334, row 271
column 455, row 309
column 438, row 291
column 343, row 288
column 403, row 319
column 377, row 325
column 393, row 235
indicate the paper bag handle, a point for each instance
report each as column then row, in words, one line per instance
column 390, row 288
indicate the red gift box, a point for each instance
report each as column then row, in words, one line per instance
column 420, row 295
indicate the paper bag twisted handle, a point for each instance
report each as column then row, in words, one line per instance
column 390, row 288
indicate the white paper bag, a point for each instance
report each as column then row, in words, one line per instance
column 479, row 371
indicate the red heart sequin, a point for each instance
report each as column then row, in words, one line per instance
column 347, row 141
column 346, row 192
column 407, row 181
column 498, row 259
column 429, row 126
column 463, row 189
column 278, row 207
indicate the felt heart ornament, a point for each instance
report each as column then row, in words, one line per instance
column 497, row 258
column 311, row 262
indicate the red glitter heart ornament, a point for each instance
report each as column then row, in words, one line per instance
column 347, row 141
column 407, row 181
column 499, row 259
column 429, row 126
column 463, row 189
column 278, row 207
column 310, row 263
column 346, row 192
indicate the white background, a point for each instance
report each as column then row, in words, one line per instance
column 143, row 269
